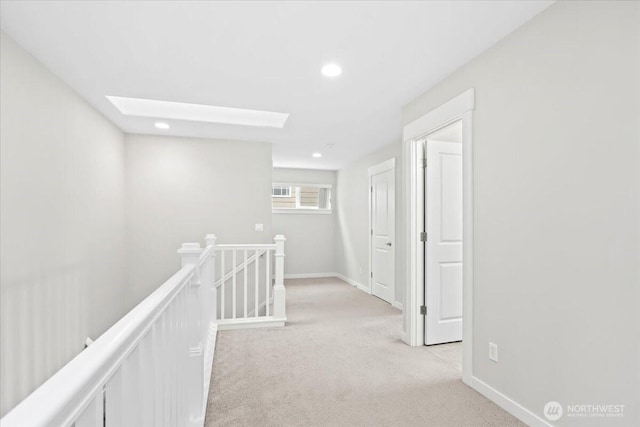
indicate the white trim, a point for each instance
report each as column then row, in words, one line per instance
column 308, row 275
column 349, row 281
column 412, row 331
column 294, row 184
column 303, row 211
column 459, row 108
column 387, row 165
column 298, row 208
column 250, row 322
column 441, row 116
column 508, row 404
column 467, row 246
column 382, row 167
column 363, row 288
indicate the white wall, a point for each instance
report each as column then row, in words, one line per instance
column 352, row 243
column 179, row 189
column 310, row 237
column 556, row 189
column 62, row 224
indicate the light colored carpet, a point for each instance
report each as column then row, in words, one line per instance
column 340, row 362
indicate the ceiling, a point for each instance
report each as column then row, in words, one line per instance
column 265, row 56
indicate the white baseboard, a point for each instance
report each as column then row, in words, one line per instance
column 405, row 338
column 363, row 288
column 509, row 405
column 397, row 305
column 249, row 323
column 338, row 275
column 352, row 282
column 346, row 279
column 309, row 275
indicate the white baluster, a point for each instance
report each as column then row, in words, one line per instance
column 210, row 286
column 157, row 372
column 171, row 363
column 92, row 414
column 131, row 388
column 184, row 357
column 222, row 274
column 256, row 310
column 113, row 400
column 267, row 267
column 279, row 292
column 233, row 283
column 246, row 267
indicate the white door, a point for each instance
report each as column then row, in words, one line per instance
column 443, row 249
column 382, row 249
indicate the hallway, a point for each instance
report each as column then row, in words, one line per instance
column 339, row 362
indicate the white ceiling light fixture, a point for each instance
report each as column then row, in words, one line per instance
column 198, row 112
column 162, row 125
column 317, row 155
column 331, row 70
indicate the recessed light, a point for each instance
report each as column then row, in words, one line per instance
column 162, row 125
column 317, row 155
column 197, row 112
column 331, row 70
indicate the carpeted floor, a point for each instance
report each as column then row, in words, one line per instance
column 340, row 362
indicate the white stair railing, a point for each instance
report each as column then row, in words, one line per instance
column 247, row 294
column 151, row 368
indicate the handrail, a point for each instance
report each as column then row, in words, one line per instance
column 79, row 380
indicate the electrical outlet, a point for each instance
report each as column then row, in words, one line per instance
column 259, row 227
column 493, row 352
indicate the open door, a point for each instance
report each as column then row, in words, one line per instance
column 443, row 248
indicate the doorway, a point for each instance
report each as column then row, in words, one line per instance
column 382, row 225
column 442, row 151
column 459, row 108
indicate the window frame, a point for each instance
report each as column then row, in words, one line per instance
column 299, row 209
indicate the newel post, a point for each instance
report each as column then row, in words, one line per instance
column 190, row 254
column 279, row 292
column 210, row 301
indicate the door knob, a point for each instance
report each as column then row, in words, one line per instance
column 389, row 244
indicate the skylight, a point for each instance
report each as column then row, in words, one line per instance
column 197, row 112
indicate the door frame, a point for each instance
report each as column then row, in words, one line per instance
column 459, row 108
column 387, row 165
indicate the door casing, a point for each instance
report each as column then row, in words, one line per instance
column 459, row 108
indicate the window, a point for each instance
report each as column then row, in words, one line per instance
column 281, row 191
column 301, row 198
